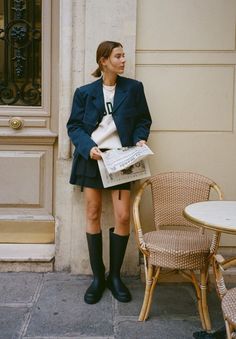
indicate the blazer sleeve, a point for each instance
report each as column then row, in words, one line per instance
column 144, row 120
column 79, row 136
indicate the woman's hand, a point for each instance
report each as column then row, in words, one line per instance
column 141, row 143
column 95, row 153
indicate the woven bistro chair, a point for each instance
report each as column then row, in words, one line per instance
column 176, row 244
column 227, row 296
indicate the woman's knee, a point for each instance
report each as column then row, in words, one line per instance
column 123, row 218
column 93, row 211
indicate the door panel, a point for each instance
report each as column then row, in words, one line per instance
column 26, row 137
column 26, row 194
column 27, row 177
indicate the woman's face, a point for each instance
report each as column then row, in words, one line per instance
column 115, row 63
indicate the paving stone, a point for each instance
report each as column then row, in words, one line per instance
column 51, row 306
column 11, row 320
column 156, row 329
column 168, row 299
column 176, row 302
column 216, row 316
column 70, row 337
column 18, row 287
column 61, row 310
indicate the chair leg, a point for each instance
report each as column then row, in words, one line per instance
column 146, row 293
column 199, row 301
column 229, row 329
column 153, row 285
column 203, row 287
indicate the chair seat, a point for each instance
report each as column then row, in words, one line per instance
column 229, row 306
column 178, row 249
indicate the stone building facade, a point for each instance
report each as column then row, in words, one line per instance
column 184, row 53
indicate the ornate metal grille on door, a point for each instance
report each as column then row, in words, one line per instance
column 20, row 52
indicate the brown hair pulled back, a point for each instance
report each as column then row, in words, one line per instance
column 104, row 50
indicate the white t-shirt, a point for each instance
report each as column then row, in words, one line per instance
column 106, row 135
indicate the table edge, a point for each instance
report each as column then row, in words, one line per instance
column 212, row 227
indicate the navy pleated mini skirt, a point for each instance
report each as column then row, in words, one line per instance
column 92, row 178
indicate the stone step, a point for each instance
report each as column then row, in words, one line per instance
column 27, row 257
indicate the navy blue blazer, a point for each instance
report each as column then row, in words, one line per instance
column 130, row 113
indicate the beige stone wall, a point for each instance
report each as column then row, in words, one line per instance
column 184, row 52
column 83, row 25
column 187, row 63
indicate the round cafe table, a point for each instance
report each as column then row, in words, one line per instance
column 215, row 215
column 219, row 216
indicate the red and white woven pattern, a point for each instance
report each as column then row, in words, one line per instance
column 178, row 249
column 229, row 306
column 173, row 191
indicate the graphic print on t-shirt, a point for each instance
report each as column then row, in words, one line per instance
column 109, row 108
column 105, row 135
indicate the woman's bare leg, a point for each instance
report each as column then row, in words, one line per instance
column 121, row 206
column 93, row 201
column 118, row 242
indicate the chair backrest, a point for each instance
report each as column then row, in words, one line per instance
column 173, row 191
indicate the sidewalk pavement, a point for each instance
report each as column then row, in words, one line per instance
column 50, row 305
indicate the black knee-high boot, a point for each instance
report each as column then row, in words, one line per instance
column 96, row 289
column 118, row 246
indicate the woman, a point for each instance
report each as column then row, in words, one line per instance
column 108, row 113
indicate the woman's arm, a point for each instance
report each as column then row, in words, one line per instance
column 75, row 126
column 144, row 120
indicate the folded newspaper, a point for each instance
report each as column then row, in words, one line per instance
column 124, row 165
column 118, row 159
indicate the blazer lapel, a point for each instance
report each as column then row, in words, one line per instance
column 120, row 94
column 98, row 98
